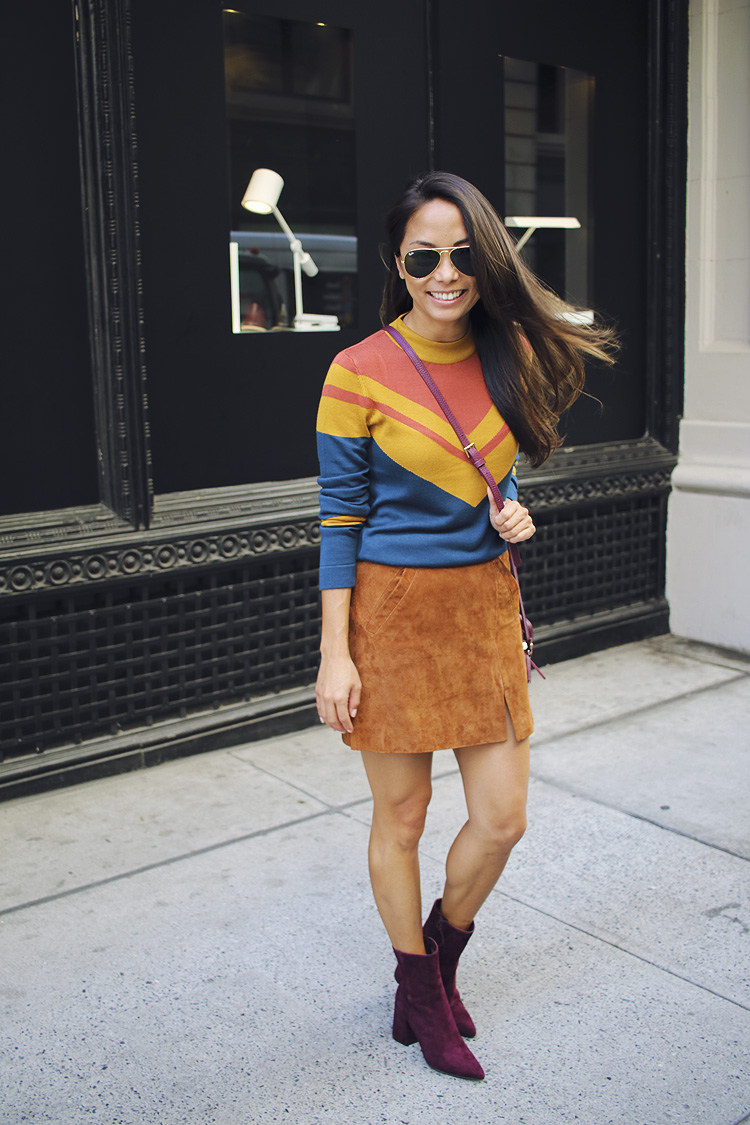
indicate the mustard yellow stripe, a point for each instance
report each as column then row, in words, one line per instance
column 500, row 460
column 486, row 430
column 341, row 521
column 341, row 416
column 338, row 376
column 418, row 454
column 437, row 423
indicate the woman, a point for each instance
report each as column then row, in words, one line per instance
column 421, row 645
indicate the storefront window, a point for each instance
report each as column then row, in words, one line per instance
column 290, row 109
column 548, row 113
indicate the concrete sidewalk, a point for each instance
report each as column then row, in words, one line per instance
column 198, row 943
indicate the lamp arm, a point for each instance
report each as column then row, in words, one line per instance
column 525, row 238
column 301, row 255
column 297, row 258
column 284, row 226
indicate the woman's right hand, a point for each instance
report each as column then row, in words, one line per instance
column 337, row 692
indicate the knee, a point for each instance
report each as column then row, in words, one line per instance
column 504, row 831
column 406, row 820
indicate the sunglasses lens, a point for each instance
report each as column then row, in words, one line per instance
column 461, row 258
column 421, row 263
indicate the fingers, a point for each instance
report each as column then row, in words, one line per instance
column 513, row 523
column 344, row 720
column 337, row 696
column 335, row 714
column 519, row 532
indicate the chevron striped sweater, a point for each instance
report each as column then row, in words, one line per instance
column 395, row 485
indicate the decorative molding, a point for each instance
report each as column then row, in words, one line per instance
column 109, row 175
column 154, row 555
column 575, row 460
column 591, row 473
column 576, row 493
column 195, row 529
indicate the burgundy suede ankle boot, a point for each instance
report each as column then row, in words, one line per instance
column 422, row 1012
column 451, row 943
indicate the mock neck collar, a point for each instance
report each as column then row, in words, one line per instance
column 436, row 351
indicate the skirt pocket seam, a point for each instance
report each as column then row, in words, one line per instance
column 379, row 625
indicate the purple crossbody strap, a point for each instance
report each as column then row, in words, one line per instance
column 479, row 463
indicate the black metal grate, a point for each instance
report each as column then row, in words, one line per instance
column 112, row 658
column 584, row 561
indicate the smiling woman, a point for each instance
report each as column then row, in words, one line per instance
column 419, row 605
column 442, row 298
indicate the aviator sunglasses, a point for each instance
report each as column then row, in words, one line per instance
column 421, row 263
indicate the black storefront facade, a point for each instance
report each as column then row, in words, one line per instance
column 158, row 531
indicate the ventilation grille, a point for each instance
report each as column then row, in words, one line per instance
column 583, row 562
column 109, row 659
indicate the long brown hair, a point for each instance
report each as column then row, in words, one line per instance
column 516, row 312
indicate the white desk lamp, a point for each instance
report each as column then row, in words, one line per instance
column 549, row 222
column 533, row 222
column 261, row 197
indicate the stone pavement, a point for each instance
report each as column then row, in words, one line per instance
column 197, row 942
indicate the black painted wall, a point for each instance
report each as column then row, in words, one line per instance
column 227, row 409
column 47, row 446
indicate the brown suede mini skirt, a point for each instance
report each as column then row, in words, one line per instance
column 438, row 650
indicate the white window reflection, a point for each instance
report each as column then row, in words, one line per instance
column 290, row 107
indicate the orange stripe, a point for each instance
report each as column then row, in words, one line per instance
column 346, row 396
column 420, row 429
column 495, row 441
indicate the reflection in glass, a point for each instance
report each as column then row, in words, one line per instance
column 289, row 98
column 547, row 124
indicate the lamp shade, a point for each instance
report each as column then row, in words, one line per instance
column 263, row 191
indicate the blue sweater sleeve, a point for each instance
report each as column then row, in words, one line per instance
column 343, row 436
column 344, row 505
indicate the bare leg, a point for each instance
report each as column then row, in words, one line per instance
column 401, row 788
column 496, row 779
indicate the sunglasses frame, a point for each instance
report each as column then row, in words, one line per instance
column 439, row 250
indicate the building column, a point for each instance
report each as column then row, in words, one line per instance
column 708, row 531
